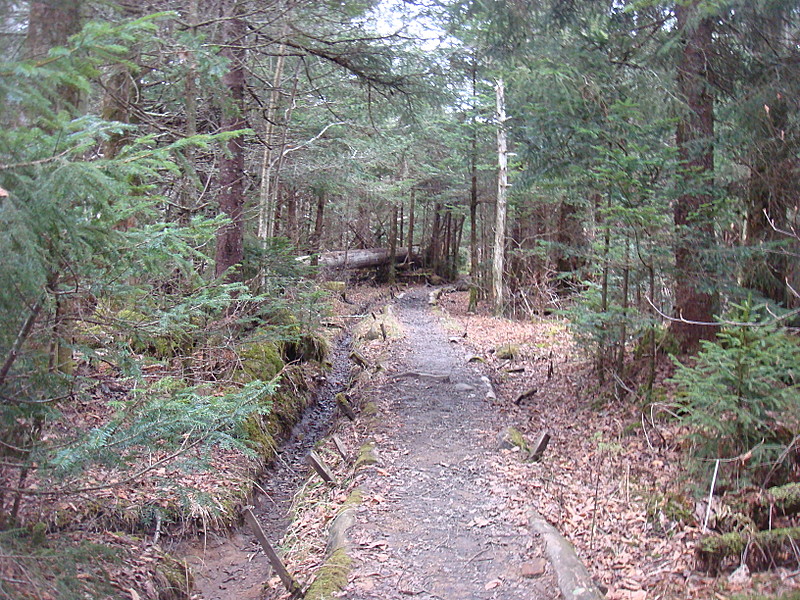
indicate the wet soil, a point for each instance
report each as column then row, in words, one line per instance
column 439, row 519
column 234, row 567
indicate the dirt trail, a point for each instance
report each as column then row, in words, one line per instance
column 438, row 520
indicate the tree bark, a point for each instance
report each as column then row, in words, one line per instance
column 411, row 221
column 393, row 246
column 230, row 237
column 502, row 192
column 50, row 24
column 435, row 248
column 694, row 137
column 319, row 222
column 473, row 186
column 291, row 215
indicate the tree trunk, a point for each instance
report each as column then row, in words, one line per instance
column 316, row 237
column 502, row 192
column 266, row 193
column 189, row 186
column 291, row 215
column 473, row 188
column 411, row 221
column 50, row 24
column 393, row 246
column 230, row 237
column 400, row 224
column 434, row 250
column 694, row 137
column 601, row 346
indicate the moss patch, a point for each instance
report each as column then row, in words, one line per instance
column 355, row 498
column 516, row 438
column 331, row 578
column 334, row 286
column 260, row 360
column 507, row 352
column 366, row 456
column 374, row 326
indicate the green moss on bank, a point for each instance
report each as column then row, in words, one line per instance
column 515, row 437
column 366, row 456
column 331, row 578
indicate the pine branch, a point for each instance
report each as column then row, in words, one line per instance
column 72, row 492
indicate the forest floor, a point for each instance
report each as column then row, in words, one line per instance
column 445, row 512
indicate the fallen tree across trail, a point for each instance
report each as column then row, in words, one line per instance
column 357, row 259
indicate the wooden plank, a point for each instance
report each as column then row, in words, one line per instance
column 291, row 584
column 525, row 395
column 339, row 446
column 344, row 406
column 359, row 359
column 539, row 446
column 320, row 467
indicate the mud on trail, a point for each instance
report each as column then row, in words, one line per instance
column 439, row 520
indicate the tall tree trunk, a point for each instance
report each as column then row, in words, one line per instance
column 266, row 193
column 694, row 137
column 393, row 246
column 458, row 232
column 189, row 188
column 502, row 193
column 319, row 222
column 448, row 235
column 50, row 24
column 435, row 248
column 601, row 349
column 475, row 287
column 230, row 237
column 291, row 215
column 401, row 224
column 411, row 208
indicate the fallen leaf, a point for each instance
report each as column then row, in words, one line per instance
column 493, row 584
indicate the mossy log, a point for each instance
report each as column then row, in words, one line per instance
column 761, row 505
column 759, row 550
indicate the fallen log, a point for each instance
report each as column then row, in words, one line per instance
column 361, row 258
column 758, row 550
column 765, row 505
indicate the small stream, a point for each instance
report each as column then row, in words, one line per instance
column 228, row 568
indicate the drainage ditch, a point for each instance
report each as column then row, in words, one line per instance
column 233, row 567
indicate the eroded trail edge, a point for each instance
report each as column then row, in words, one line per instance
column 235, row 567
column 439, row 518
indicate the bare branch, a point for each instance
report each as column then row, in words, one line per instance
column 23, row 334
column 680, row 319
